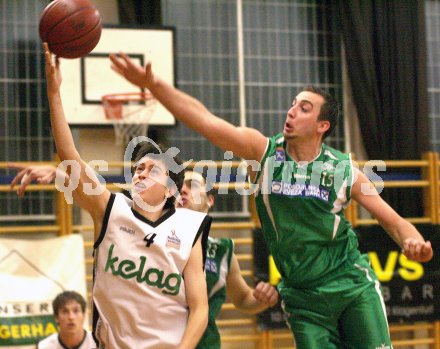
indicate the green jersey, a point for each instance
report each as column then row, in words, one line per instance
column 217, row 265
column 300, row 206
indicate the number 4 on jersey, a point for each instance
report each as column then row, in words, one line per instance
column 150, row 239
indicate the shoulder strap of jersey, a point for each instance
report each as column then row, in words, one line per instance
column 203, row 233
column 272, row 144
column 105, row 220
column 230, row 252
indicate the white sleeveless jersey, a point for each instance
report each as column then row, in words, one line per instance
column 138, row 291
column 54, row 342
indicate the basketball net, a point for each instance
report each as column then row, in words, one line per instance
column 129, row 113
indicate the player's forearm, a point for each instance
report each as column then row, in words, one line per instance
column 250, row 305
column 404, row 230
column 60, row 129
column 184, row 107
column 197, row 322
column 196, row 116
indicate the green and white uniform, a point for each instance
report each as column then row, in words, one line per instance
column 331, row 295
column 54, row 342
column 217, row 265
column 139, row 295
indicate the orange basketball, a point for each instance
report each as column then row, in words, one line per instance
column 71, row 28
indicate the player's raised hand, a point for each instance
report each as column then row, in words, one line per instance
column 137, row 75
column 266, row 293
column 28, row 174
column 416, row 250
column 53, row 72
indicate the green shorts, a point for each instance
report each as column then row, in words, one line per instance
column 346, row 311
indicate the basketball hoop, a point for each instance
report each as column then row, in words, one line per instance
column 130, row 114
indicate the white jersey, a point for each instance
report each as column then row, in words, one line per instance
column 138, row 291
column 54, row 342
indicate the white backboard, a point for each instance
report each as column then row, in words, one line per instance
column 87, row 79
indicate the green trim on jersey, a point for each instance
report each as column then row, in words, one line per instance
column 217, row 266
column 300, row 206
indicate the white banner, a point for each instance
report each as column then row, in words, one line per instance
column 32, row 274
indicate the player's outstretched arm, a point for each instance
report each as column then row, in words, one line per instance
column 245, row 298
column 401, row 231
column 247, row 143
column 42, row 174
column 94, row 204
column 196, row 297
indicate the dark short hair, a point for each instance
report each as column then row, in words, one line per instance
column 172, row 164
column 63, row 298
column 210, row 191
column 329, row 110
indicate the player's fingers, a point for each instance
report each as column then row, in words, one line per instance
column 115, row 61
column 117, row 64
column 427, row 246
column 257, row 291
column 426, row 252
column 415, row 249
column 148, row 69
column 28, row 178
column 47, row 53
column 408, row 247
column 48, row 59
column 273, row 297
column 40, row 180
column 46, row 179
column 18, row 177
column 263, row 292
column 130, row 65
column 418, row 249
column 21, row 189
column 260, row 286
column 268, row 289
column 117, row 70
column 120, row 61
column 265, row 287
column 49, row 63
column 411, row 249
column 126, row 59
column 25, row 181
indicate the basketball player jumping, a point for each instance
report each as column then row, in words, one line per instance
column 222, row 270
column 328, row 288
column 149, row 288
